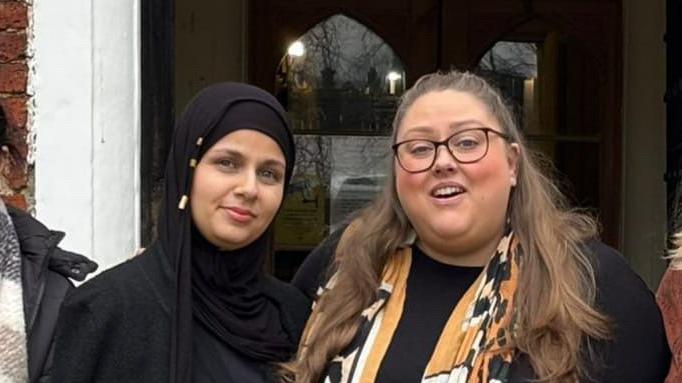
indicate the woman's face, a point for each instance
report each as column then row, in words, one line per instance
column 238, row 187
column 455, row 208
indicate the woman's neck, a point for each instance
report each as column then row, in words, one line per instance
column 471, row 256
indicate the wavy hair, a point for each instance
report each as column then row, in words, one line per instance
column 675, row 253
column 554, row 304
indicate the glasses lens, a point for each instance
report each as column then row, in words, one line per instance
column 466, row 146
column 469, row 145
column 416, row 155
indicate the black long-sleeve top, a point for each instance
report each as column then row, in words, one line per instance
column 637, row 353
column 116, row 328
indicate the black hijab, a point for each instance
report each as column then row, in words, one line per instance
column 220, row 289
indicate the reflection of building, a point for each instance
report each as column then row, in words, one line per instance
column 341, row 111
column 105, row 112
column 353, row 193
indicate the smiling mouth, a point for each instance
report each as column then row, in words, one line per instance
column 240, row 215
column 447, row 192
column 239, row 211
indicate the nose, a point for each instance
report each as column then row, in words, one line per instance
column 247, row 186
column 444, row 161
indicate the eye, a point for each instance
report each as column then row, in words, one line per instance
column 270, row 175
column 465, row 143
column 226, row 163
column 419, row 148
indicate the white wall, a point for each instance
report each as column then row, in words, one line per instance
column 86, row 122
column 644, row 129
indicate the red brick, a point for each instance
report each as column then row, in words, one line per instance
column 13, row 15
column 13, row 78
column 17, row 137
column 12, row 46
column 16, row 200
column 15, row 110
column 17, row 178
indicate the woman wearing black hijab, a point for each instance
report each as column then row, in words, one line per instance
column 196, row 306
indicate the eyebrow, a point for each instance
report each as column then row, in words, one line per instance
column 273, row 162
column 453, row 126
column 237, row 153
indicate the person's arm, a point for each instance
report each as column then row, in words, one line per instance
column 314, row 270
column 669, row 298
column 638, row 351
column 81, row 340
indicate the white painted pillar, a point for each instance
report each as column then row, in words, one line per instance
column 86, row 122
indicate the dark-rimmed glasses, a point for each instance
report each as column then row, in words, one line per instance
column 466, row 146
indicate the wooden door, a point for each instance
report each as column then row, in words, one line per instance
column 579, row 69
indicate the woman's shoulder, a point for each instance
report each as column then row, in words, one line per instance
column 113, row 289
column 638, row 336
column 618, row 285
column 314, row 270
column 283, row 292
column 293, row 305
column 612, row 271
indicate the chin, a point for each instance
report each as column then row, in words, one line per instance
column 444, row 231
column 230, row 241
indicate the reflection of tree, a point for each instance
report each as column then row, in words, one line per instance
column 323, row 43
column 508, row 64
column 312, row 158
column 360, row 156
column 349, row 49
column 340, row 84
column 511, row 58
column 369, row 154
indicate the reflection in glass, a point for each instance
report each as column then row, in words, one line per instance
column 340, row 83
column 513, row 67
column 547, row 83
column 340, row 78
column 334, row 176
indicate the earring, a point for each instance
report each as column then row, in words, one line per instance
column 513, row 181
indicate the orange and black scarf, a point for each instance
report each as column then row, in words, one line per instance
column 471, row 347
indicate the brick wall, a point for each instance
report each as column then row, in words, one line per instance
column 13, row 98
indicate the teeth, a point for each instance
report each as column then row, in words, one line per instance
column 449, row 190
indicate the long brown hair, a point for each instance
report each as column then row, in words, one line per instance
column 554, row 310
column 675, row 254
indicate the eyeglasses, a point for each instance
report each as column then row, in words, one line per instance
column 466, row 146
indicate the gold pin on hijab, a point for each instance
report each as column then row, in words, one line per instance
column 183, row 202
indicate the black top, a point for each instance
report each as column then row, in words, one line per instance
column 637, row 353
column 214, row 361
column 116, row 327
column 433, row 290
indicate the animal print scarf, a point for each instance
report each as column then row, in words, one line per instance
column 471, row 347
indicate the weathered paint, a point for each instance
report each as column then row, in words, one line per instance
column 85, row 79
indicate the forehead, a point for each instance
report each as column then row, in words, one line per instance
column 446, row 109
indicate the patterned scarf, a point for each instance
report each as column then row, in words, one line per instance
column 13, row 356
column 471, row 347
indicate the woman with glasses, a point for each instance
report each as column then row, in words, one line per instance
column 469, row 267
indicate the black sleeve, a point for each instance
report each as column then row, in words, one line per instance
column 638, row 351
column 314, row 270
column 42, row 334
column 81, row 341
